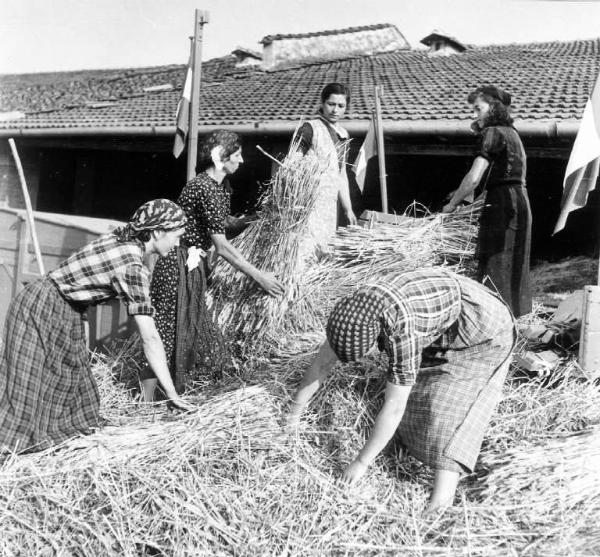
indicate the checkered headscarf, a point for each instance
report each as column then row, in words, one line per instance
column 355, row 323
column 158, row 214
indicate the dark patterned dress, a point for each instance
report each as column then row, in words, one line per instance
column 193, row 343
column 47, row 391
column 448, row 337
column 505, row 226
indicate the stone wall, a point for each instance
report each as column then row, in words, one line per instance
column 285, row 51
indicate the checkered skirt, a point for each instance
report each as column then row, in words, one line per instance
column 459, row 385
column 47, row 392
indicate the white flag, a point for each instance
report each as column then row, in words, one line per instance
column 367, row 150
column 584, row 162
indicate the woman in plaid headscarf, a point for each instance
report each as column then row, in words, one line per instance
column 449, row 341
column 47, row 391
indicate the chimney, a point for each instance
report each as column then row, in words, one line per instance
column 442, row 44
column 285, row 50
column 246, row 57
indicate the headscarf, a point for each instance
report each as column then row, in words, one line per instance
column 158, row 214
column 354, row 324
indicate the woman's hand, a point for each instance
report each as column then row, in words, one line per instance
column 352, row 220
column 269, row 283
column 355, row 471
column 177, row 403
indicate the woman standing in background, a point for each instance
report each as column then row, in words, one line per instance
column 329, row 141
column 504, row 242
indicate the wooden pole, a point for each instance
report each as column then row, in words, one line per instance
column 380, row 148
column 201, row 18
column 36, row 245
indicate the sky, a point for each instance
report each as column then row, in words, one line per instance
column 60, row 35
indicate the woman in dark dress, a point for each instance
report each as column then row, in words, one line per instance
column 178, row 288
column 504, row 241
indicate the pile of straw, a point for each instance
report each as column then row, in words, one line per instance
column 361, row 255
column 555, row 474
column 220, row 481
column 356, row 255
column 273, row 243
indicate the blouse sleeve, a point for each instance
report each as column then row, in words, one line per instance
column 133, row 286
column 304, row 136
column 403, row 348
column 492, row 143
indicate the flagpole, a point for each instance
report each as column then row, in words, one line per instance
column 380, row 148
column 201, row 17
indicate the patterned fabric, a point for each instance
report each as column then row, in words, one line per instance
column 305, row 137
column 104, row 269
column 207, row 205
column 409, row 312
column 447, row 336
column 504, row 242
column 47, row 392
column 192, row 341
column 159, row 214
column 322, row 221
column 194, row 346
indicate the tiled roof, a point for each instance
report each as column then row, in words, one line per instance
column 548, row 81
column 50, row 91
column 271, row 38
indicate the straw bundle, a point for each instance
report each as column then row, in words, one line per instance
column 273, row 243
column 553, row 476
column 361, row 255
column 196, row 490
column 243, row 417
column 356, row 255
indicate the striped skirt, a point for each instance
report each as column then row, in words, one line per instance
column 47, row 391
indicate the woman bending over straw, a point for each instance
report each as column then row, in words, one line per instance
column 179, row 279
column 47, row 391
column 504, row 239
column 449, row 341
column 329, row 141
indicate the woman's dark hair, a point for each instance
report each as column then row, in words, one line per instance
column 335, row 89
column 126, row 234
column 499, row 101
column 230, row 142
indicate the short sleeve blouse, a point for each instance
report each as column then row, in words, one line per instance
column 207, row 205
column 502, row 147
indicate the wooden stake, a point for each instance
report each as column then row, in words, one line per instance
column 36, row 245
column 380, row 148
column 201, row 18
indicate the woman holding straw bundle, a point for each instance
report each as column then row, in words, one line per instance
column 505, row 225
column 47, row 391
column 329, row 141
column 179, row 279
column 449, row 341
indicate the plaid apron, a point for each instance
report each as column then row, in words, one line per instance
column 47, row 391
column 459, row 384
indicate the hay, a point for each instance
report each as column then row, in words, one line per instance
column 553, row 476
column 220, row 481
column 273, row 243
column 356, row 255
